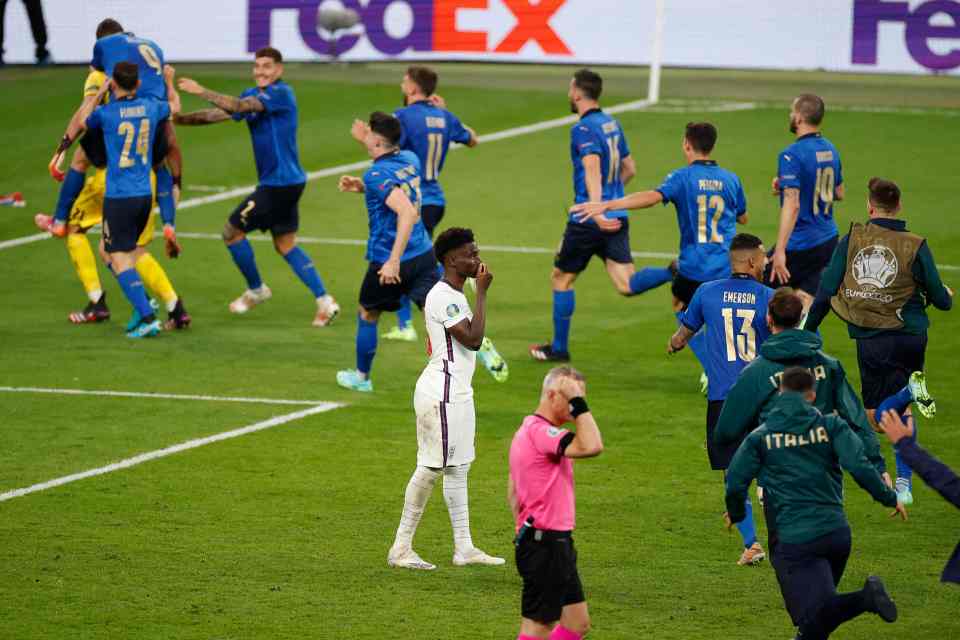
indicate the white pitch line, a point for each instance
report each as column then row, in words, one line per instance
column 156, row 396
column 169, row 451
column 16, row 242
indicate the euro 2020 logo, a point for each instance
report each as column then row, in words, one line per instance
column 875, row 266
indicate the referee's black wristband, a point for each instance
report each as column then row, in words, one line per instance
column 578, row 405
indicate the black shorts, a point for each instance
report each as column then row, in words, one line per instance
column 549, row 571
column 124, row 219
column 273, row 209
column 431, row 214
column 809, row 573
column 683, row 289
column 417, row 277
column 720, row 454
column 94, row 147
column 581, row 242
column 886, row 362
column 805, row 266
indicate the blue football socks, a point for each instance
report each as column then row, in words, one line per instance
column 564, row 303
column 366, row 345
column 69, row 190
column 899, row 402
column 404, row 314
column 301, row 264
column 242, row 254
column 168, row 208
column 649, row 278
column 133, row 288
column 746, row 527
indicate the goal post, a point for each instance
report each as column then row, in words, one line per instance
column 656, row 54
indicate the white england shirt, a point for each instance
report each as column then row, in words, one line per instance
column 449, row 372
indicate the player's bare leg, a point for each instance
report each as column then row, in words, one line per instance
column 257, row 291
column 418, row 492
column 303, row 267
column 574, row 623
column 563, row 306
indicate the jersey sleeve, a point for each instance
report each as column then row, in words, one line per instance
column 584, row 142
column 458, row 133
column 549, row 440
column 671, row 189
column 97, row 61
column 788, row 170
column 95, row 120
column 447, row 308
column 239, row 117
column 692, row 318
column 276, row 99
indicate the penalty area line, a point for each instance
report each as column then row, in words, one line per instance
column 169, row 451
column 157, row 396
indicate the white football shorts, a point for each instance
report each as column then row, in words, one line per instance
column 445, row 432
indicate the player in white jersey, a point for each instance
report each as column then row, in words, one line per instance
column 443, row 401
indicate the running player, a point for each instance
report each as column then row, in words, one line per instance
column 443, row 400
column 399, row 252
column 129, row 125
column 602, row 164
column 809, row 180
column 87, row 211
column 270, row 111
column 733, row 313
column 428, row 130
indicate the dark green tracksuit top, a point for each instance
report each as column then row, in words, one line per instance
column 755, row 390
column 797, row 455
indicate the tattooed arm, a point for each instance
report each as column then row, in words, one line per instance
column 204, row 116
column 230, row 104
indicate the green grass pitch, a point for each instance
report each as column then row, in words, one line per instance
column 284, row 533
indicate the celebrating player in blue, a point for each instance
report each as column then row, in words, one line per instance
column 428, row 130
column 709, row 201
column 601, row 166
column 130, row 124
column 270, row 111
column 809, row 180
column 399, row 251
column 733, row 312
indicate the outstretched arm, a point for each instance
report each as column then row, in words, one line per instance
column 204, row 116
column 230, row 104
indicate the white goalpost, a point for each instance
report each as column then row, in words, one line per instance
column 656, row 54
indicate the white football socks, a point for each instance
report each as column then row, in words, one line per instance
column 415, row 501
column 455, row 495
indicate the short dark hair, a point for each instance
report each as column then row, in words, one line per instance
column 786, row 308
column 269, row 52
column 884, row 194
column 425, row 78
column 386, row 125
column 451, row 240
column 108, row 27
column 745, row 242
column 126, row 74
column 589, row 82
column 702, row 136
column 797, row 379
column 811, row 108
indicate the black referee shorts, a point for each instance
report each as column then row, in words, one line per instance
column 417, row 277
column 720, row 455
column 805, row 266
column 886, row 362
column 549, row 571
column 583, row 241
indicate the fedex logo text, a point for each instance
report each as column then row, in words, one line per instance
column 434, row 26
column 920, row 29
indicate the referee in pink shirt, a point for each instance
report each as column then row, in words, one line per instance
column 540, row 491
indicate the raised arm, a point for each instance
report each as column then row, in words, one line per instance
column 230, row 104
column 468, row 332
column 638, row 200
column 172, row 95
column 587, row 442
column 202, row 117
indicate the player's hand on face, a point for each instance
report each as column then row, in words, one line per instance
column 390, row 272
column 894, row 427
column 484, row 277
column 359, row 130
column 350, row 184
column 438, row 101
column 775, row 186
column 779, row 272
column 190, row 86
column 899, row 511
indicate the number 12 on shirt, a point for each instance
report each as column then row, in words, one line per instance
column 744, row 343
column 703, row 204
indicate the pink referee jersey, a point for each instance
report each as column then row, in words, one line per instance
column 542, row 475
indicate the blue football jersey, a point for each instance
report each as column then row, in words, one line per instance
column 708, row 200
column 126, row 47
column 598, row 134
column 394, row 170
column 129, row 127
column 428, row 131
column 274, row 135
column 812, row 165
column 734, row 313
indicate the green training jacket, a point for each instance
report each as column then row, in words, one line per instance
column 797, row 455
column 750, row 398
